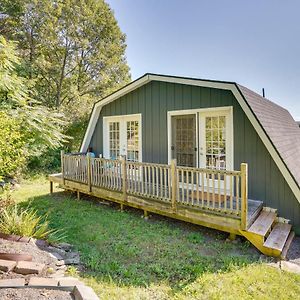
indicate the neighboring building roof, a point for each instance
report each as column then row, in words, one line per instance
column 274, row 124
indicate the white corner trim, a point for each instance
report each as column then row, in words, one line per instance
column 195, row 82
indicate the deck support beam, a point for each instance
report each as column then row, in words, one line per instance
column 146, row 216
column 51, row 187
column 78, row 195
column 122, row 207
column 232, row 236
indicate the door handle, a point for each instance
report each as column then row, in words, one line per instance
column 172, row 148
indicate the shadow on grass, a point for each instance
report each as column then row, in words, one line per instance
column 124, row 248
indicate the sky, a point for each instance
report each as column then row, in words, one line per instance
column 255, row 43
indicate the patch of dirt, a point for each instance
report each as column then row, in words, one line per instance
column 34, row 294
column 38, row 254
column 293, row 254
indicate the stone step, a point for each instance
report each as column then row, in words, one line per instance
column 7, row 265
column 28, row 267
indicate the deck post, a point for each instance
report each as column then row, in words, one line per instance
column 244, row 195
column 173, row 183
column 124, row 178
column 62, row 154
column 89, row 172
column 51, row 187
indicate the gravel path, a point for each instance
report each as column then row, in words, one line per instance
column 294, row 251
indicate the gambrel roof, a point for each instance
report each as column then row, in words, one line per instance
column 274, row 124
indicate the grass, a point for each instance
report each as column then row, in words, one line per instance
column 127, row 257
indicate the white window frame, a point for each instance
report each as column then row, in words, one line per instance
column 228, row 110
column 123, row 132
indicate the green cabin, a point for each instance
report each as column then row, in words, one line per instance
column 206, row 124
column 213, row 153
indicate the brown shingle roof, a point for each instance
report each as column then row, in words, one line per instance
column 280, row 126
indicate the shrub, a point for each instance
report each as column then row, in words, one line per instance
column 12, row 142
column 26, row 222
column 6, row 199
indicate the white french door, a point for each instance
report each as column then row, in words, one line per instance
column 122, row 136
column 215, row 141
column 202, row 138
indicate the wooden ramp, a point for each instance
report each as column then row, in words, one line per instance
column 270, row 234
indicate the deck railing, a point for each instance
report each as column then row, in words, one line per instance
column 220, row 191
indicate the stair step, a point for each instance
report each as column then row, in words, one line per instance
column 278, row 236
column 287, row 245
column 263, row 223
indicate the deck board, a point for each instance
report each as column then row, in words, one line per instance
column 263, row 223
column 278, row 236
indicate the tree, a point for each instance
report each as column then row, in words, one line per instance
column 26, row 127
column 73, row 50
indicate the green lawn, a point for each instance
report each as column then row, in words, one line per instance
column 127, row 257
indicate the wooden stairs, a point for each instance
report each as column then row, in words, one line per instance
column 269, row 233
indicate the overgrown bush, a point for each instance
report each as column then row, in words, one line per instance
column 26, row 222
column 6, row 199
column 12, row 142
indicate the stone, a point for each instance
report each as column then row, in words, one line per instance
column 83, row 292
column 274, row 265
column 7, row 265
column 69, row 281
column 65, row 246
column 56, row 255
column 290, row 267
column 16, row 282
column 28, row 267
column 56, row 250
column 60, row 263
column 40, row 281
column 72, row 261
column 41, row 243
column 72, row 254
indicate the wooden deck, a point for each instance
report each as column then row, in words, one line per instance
column 213, row 198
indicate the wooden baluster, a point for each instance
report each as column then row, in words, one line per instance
column 149, row 180
column 89, row 173
column 225, row 192
column 161, row 186
column 219, row 190
column 202, row 188
column 213, row 190
column 207, row 190
column 62, row 164
column 142, row 178
column 197, row 188
column 124, row 178
column 237, row 182
column 192, row 187
column 231, row 192
column 157, row 185
column 174, row 184
column 244, row 195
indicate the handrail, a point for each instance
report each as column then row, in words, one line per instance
column 221, row 191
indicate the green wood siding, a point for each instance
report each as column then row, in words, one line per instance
column 155, row 99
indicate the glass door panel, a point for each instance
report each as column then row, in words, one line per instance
column 114, row 140
column 184, row 141
column 132, row 133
